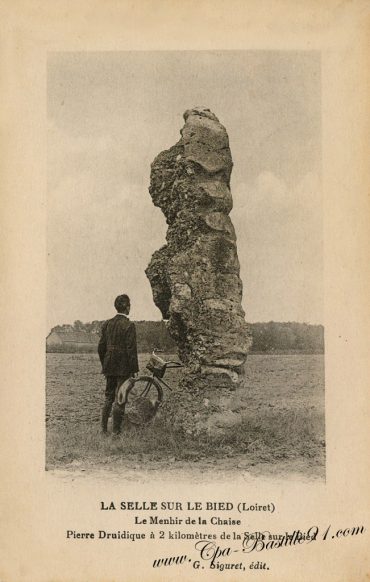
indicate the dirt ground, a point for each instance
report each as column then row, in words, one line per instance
column 284, row 437
column 235, row 470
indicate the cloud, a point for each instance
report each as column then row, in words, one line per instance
column 99, row 246
column 280, row 238
column 112, row 113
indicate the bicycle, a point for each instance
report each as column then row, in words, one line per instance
column 141, row 397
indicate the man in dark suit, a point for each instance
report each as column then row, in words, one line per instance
column 118, row 355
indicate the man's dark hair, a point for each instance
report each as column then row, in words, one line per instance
column 121, row 302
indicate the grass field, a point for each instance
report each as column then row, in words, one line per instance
column 282, row 433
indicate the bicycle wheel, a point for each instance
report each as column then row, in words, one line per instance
column 143, row 399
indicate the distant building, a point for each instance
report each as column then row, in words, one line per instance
column 71, row 341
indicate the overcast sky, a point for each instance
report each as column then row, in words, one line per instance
column 111, row 113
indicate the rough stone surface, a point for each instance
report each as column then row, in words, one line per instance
column 195, row 276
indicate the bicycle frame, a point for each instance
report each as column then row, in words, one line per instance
column 145, row 384
column 168, row 365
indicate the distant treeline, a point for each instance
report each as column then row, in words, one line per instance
column 287, row 337
column 271, row 337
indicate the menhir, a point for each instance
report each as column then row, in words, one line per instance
column 195, row 276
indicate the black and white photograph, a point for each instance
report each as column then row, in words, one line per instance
column 185, row 267
column 185, row 283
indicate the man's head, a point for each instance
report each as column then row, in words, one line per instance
column 122, row 304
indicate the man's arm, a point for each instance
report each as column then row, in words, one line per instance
column 131, row 347
column 102, row 346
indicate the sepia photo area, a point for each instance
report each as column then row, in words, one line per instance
column 190, row 183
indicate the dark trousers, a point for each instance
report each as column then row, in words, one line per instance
column 113, row 383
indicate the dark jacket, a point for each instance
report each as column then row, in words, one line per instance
column 117, row 347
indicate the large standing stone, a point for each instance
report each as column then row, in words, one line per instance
column 195, row 276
